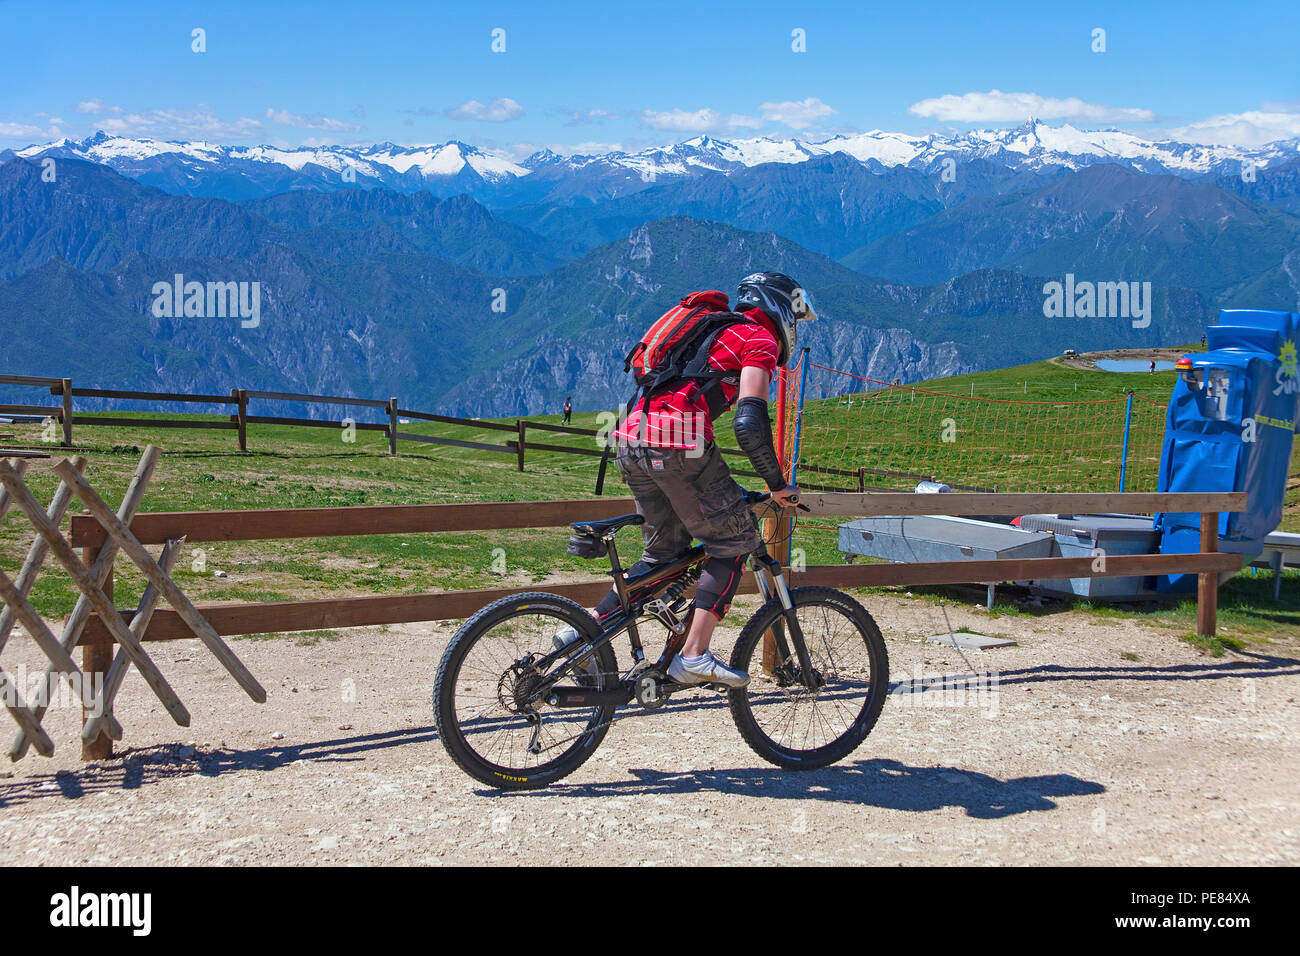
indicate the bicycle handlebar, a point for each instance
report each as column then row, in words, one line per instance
column 759, row 497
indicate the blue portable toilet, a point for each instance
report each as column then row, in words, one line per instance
column 1231, row 422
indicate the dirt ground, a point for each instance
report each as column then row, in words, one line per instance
column 1101, row 742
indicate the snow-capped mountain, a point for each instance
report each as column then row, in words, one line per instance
column 238, row 172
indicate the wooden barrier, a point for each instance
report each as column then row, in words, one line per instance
column 157, row 528
column 96, row 625
column 239, row 420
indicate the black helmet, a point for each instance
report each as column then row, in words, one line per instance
column 782, row 300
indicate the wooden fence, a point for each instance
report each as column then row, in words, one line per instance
column 91, row 533
column 239, row 420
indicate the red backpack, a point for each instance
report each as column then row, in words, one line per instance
column 676, row 348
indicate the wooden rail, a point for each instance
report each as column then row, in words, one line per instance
column 239, row 420
column 159, row 527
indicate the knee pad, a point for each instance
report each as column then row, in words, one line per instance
column 718, row 583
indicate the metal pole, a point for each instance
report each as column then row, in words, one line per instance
column 1123, row 458
column 798, row 429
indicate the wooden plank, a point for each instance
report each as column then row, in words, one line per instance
column 153, row 396
column 95, row 662
column 566, row 429
column 19, row 466
column 276, row 616
column 434, row 440
column 319, row 399
column 89, row 587
column 241, row 416
column 520, row 443
column 37, row 550
column 22, row 715
column 451, row 420
column 565, row 450
column 1131, row 502
column 1013, row 569
column 392, row 426
column 65, row 388
column 100, row 562
column 157, row 527
column 145, row 562
column 42, row 410
column 149, row 422
column 101, row 719
column 29, row 380
column 311, row 423
column 1207, row 582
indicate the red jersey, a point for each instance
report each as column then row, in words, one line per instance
column 679, row 418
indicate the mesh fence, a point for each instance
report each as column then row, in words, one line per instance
column 877, row 436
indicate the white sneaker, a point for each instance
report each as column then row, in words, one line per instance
column 708, row 671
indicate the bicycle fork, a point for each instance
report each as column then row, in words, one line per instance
column 770, row 577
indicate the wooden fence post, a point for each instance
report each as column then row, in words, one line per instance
column 96, row 659
column 1207, row 582
column 392, row 426
column 519, row 449
column 241, row 415
column 67, row 412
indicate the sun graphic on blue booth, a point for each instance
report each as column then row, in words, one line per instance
column 1287, row 356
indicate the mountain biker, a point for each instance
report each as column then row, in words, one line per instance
column 681, row 484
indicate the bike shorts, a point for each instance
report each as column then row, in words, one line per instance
column 685, row 494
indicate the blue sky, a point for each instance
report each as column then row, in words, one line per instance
column 616, row 75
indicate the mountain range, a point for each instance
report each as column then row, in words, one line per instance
column 445, row 169
column 468, row 284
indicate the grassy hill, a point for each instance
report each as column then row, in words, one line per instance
column 289, row 466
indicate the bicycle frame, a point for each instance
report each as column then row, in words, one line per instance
column 635, row 598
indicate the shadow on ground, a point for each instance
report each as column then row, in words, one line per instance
column 884, row 783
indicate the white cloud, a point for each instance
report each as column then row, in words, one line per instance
column 583, row 117
column 1251, row 128
column 998, row 107
column 28, row 131
column 799, row 114
column 285, row 118
column 698, row 121
column 96, row 106
column 500, row 110
column 180, row 124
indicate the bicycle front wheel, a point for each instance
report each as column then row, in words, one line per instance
column 785, row 721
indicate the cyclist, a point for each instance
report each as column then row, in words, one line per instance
column 681, row 484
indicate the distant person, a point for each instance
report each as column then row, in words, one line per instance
column 1153, row 366
column 568, row 409
column 1202, row 340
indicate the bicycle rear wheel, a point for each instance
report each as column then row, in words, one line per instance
column 491, row 718
column 782, row 719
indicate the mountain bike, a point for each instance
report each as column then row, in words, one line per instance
column 518, row 709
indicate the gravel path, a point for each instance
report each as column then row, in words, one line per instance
column 1104, row 742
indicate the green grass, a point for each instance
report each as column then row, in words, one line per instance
column 1214, row 646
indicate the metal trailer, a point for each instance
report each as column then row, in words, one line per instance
column 941, row 538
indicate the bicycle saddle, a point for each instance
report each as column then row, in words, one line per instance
column 606, row 527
